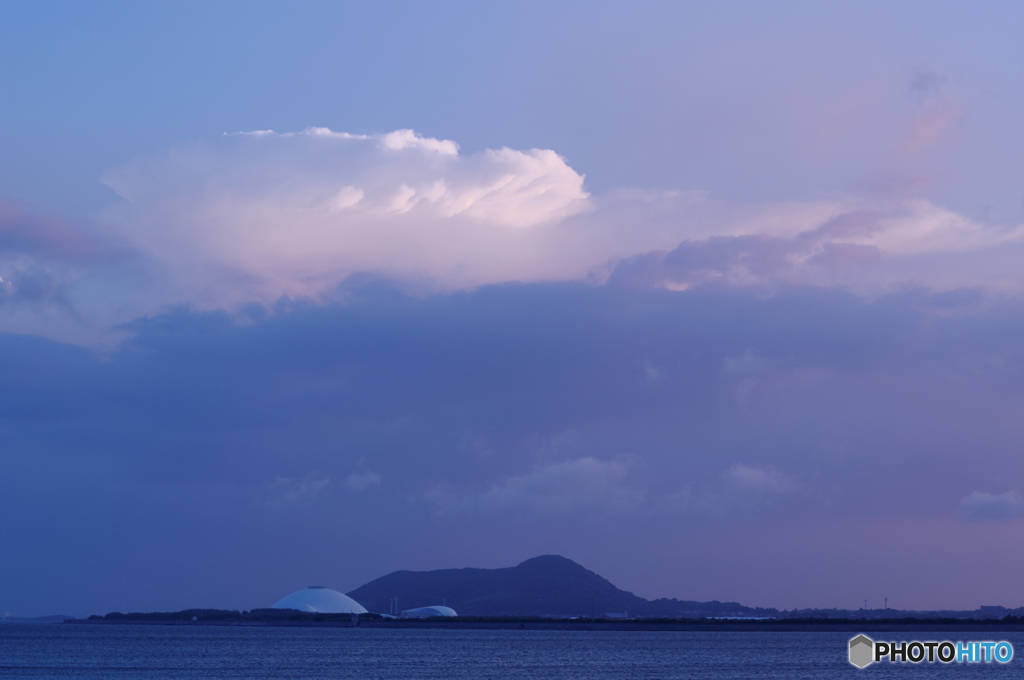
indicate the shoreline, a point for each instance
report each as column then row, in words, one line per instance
column 668, row 626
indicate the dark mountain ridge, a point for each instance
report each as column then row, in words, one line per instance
column 549, row 585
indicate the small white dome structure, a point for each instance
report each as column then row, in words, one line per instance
column 322, row 601
column 424, row 612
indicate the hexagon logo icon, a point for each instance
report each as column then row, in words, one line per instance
column 862, row 651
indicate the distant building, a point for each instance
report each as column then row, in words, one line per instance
column 425, row 612
column 322, row 601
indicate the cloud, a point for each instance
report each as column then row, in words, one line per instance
column 267, row 214
column 825, row 250
column 585, row 483
column 758, row 482
column 924, row 81
column 255, row 216
column 26, row 233
column 652, row 374
column 41, row 257
column 936, row 113
column 606, row 487
column 35, row 285
column 65, row 280
column 199, row 413
column 985, row 507
column 359, row 481
column 740, row 488
column 287, row 491
column 748, row 367
column 747, row 363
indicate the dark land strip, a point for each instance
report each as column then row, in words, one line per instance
column 511, row 623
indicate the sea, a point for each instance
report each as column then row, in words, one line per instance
column 155, row 652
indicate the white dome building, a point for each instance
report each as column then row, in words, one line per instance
column 322, row 601
column 425, row 612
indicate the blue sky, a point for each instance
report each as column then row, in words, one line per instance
column 721, row 300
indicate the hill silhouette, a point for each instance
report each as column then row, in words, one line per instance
column 549, row 585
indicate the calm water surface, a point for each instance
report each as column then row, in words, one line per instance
column 164, row 652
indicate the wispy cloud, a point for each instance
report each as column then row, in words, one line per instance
column 61, row 278
column 610, row 487
column 581, row 484
column 865, row 243
column 27, row 233
column 986, row 507
column 286, row 491
column 757, row 482
column 41, row 256
column 359, row 481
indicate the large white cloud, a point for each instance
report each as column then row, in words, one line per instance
column 254, row 216
column 264, row 214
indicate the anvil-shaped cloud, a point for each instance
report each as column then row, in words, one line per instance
column 295, row 213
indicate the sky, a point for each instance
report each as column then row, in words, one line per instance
column 722, row 300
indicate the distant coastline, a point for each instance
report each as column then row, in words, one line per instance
column 554, row 587
column 297, row 619
column 550, row 592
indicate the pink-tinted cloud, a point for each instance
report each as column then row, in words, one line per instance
column 256, row 216
column 858, row 248
column 29, row 233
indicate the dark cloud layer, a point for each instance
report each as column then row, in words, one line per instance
column 218, row 460
column 764, row 400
